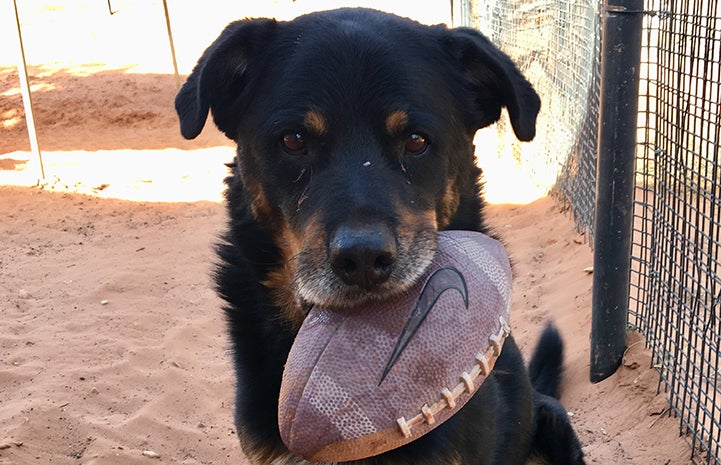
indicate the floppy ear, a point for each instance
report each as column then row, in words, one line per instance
column 496, row 83
column 218, row 76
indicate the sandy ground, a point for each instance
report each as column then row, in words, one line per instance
column 112, row 342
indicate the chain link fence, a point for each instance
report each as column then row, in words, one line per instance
column 675, row 295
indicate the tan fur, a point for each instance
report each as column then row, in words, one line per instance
column 260, row 206
column 412, row 222
column 268, row 455
column 451, row 202
column 396, row 122
column 280, row 280
column 262, row 454
column 316, row 122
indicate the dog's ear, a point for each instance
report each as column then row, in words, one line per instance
column 495, row 82
column 218, row 75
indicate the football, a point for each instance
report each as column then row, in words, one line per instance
column 361, row 381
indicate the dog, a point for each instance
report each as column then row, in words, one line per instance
column 354, row 132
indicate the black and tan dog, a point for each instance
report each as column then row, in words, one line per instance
column 354, row 131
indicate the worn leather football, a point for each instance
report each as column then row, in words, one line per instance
column 361, row 381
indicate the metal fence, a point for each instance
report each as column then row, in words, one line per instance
column 556, row 44
column 676, row 255
column 675, row 267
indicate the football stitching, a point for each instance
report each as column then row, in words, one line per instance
column 481, row 369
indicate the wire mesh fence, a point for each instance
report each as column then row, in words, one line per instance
column 676, row 268
column 675, row 295
column 556, row 44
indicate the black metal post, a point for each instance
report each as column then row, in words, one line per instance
column 618, row 112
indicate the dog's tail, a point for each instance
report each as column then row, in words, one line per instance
column 546, row 366
column 555, row 437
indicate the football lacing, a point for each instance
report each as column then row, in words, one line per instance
column 485, row 360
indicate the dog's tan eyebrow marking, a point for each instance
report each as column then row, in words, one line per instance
column 316, row 122
column 396, row 121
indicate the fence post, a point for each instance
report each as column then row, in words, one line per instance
column 27, row 96
column 618, row 112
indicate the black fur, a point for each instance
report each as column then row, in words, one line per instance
column 546, row 362
column 354, row 125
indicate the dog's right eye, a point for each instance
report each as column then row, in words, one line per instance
column 294, row 144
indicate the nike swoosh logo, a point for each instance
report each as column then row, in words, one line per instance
column 439, row 282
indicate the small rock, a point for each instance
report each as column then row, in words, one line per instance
column 103, row 302
column 5, row 445
column 24, row 295
column 151, row 454
column 588, row 270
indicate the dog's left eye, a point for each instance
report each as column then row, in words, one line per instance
column 416, row 144
column 294, row 144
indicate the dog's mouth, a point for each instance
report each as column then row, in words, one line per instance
column 357, row 268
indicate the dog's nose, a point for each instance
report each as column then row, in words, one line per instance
column 363, row 255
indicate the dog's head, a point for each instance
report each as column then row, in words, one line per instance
column 354, row 131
